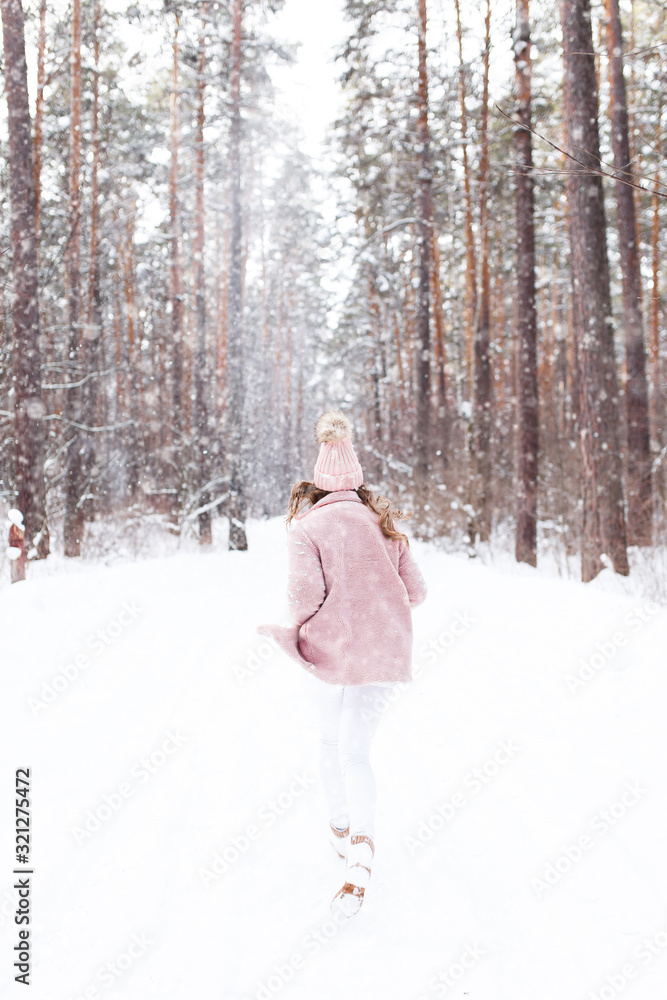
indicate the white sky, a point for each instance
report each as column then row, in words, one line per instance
column 309, row 87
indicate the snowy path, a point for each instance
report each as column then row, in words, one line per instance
column 160, row 753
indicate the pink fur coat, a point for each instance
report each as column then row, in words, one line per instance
column 350, row 593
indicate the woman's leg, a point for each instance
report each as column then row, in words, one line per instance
column 359, row 721
column 358, row 725
column 328, row 702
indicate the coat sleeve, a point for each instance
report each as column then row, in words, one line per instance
column 306, row 589
column 411, row 577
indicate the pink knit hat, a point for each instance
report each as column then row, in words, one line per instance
column 337, row 466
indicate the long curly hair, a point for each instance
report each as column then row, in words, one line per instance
column 306, row 494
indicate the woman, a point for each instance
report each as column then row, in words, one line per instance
column 352, row 583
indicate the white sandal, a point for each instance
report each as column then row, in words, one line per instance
column 350, row 896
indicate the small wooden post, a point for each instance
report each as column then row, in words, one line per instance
column 17, row 544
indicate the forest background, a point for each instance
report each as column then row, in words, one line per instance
column 472, row 269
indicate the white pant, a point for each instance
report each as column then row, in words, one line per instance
column 347, row 718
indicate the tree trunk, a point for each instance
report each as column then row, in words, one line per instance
column 638, row 450
column 471, row 264
column 29, row 433
column 175, row 291
column 483, row 430
column 39, row 114
column 441, row 402
column 498, row 337
column 657, row 397
column 526, row 525
column 94, row 325
column 201, row 428
column 74, row 397
column 400, row 415
column 235, row 372
column 133, row 466
column 374, row 465
column 603, row 528
column 425, row 229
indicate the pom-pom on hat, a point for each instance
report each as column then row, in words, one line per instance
column 337, row 466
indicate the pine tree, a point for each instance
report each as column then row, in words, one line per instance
column 235, row 354
column 482, row 422
column 175, row 278
column 201, row 429
column 603, row 530
column 638, row 450
column 74, row 398
column 26, row 359
column 526, row 527
column 424, row 264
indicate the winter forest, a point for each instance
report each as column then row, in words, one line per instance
column 472, row 271
column 220, row 221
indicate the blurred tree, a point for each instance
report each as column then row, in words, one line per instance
column 638, row 447
column 603, row 530
column 26, row 360
column 526, row 527
column 74, row 394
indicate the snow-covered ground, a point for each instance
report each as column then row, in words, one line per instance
column 179, row 832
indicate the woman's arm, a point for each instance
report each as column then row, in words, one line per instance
column 306, row 589
column 411, row 577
